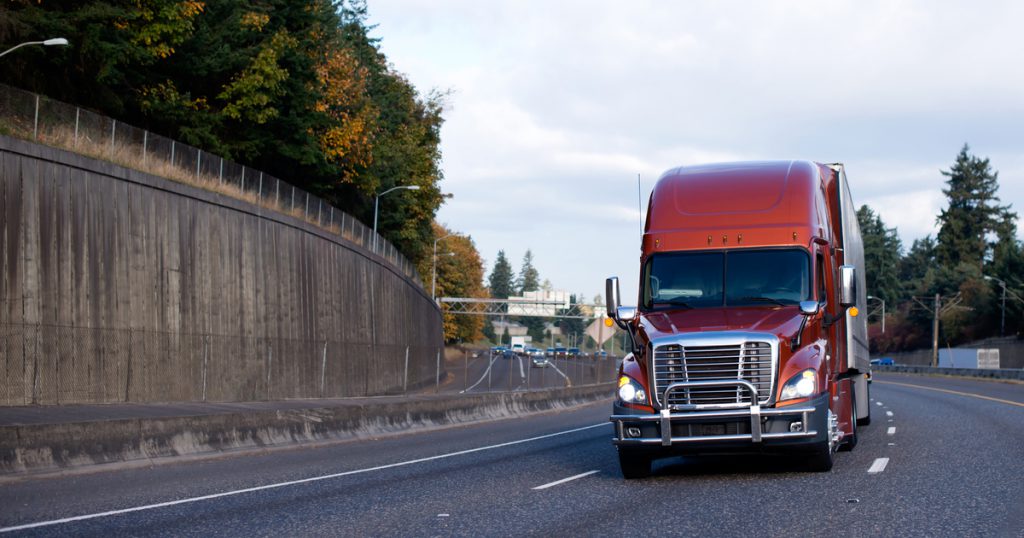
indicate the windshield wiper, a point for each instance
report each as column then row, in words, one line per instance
column 763, row 300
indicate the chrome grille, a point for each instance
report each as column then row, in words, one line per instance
column 750, row 361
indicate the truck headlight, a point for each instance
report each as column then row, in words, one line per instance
column 630, row 391
column 801, row 385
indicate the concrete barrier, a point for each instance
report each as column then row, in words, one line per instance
column 37, row 448
column 1003, row 373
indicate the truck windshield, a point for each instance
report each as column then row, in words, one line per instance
column 726, row 278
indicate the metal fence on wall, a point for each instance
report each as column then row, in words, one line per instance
column 28, row 115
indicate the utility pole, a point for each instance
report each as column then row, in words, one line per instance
column 937, row 310
column 935, row 333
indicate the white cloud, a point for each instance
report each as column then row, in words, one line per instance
column 556, row 106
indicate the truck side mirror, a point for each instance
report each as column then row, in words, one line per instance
column 625, row 314
column 847, row 285
column 611, row 293
column 809, row 308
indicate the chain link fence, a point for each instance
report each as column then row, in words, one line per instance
column 35, row 117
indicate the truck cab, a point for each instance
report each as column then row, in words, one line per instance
column 746, row 336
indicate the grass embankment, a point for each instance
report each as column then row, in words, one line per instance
column 131, row 156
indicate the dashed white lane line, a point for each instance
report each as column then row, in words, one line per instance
column 891, row 430
column 294, row 482
column 878, row 466
column 564, row 480
column 888, row 413
column 878, row 404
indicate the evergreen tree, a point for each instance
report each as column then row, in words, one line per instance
column 916, row 265
column 488, row 331
column 882, row 252
column 500, row 281
column 973, row 212
column 529, row 278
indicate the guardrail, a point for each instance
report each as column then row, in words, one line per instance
column 38, row 118
column 1001, row 373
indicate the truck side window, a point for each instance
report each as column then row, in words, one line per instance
column 822, row 297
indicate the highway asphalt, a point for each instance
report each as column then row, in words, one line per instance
column 953, row 453
column 487, row 373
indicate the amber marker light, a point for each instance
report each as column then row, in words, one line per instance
column 854, row 311
column 608, row 322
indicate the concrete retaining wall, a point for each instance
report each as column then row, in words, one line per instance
column 119, row 286
column 1011, row 352
column 1002, row 373
column 49, row 447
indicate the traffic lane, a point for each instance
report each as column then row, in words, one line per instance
column 492, row 493
column 938, row 479
column 958, row 460
column 1005, row 390
column 478, row 492
column 53, row 497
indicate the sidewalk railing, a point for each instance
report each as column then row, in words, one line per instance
column 35, row 117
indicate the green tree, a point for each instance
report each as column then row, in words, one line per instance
column 500, row 281
column 973, row 212
column 295, row 89
column 572, row 328
column 488, row 331
column 460, row 273
column 882, row 253
column 529, row 277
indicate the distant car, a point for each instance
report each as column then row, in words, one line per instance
column 498, row 350
column 550, row 353
column 601, row 354
column 884, row 361
column 574, row 352
column 561, row 353
column 540, row 362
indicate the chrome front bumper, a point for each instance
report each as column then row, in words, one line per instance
column 753, row 415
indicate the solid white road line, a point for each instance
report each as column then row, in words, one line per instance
column 888, row 413
column 294, row 482
column 482, row 376
column 564, row 480
column 879, row 465
column 891, row 430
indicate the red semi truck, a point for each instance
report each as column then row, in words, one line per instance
column 747, row 336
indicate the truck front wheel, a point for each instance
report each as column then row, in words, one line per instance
column 822, row 458
column 634, row 465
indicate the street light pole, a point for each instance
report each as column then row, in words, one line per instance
column 49, row 43
column 883, row 310
column 1002, row 317
column 376, row 205
column 433, row 277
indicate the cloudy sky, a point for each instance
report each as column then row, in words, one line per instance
column 556, row 107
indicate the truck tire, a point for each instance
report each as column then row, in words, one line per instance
column 850, row 441
column 866, row 420
column 634, row 465
column 821, row 460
